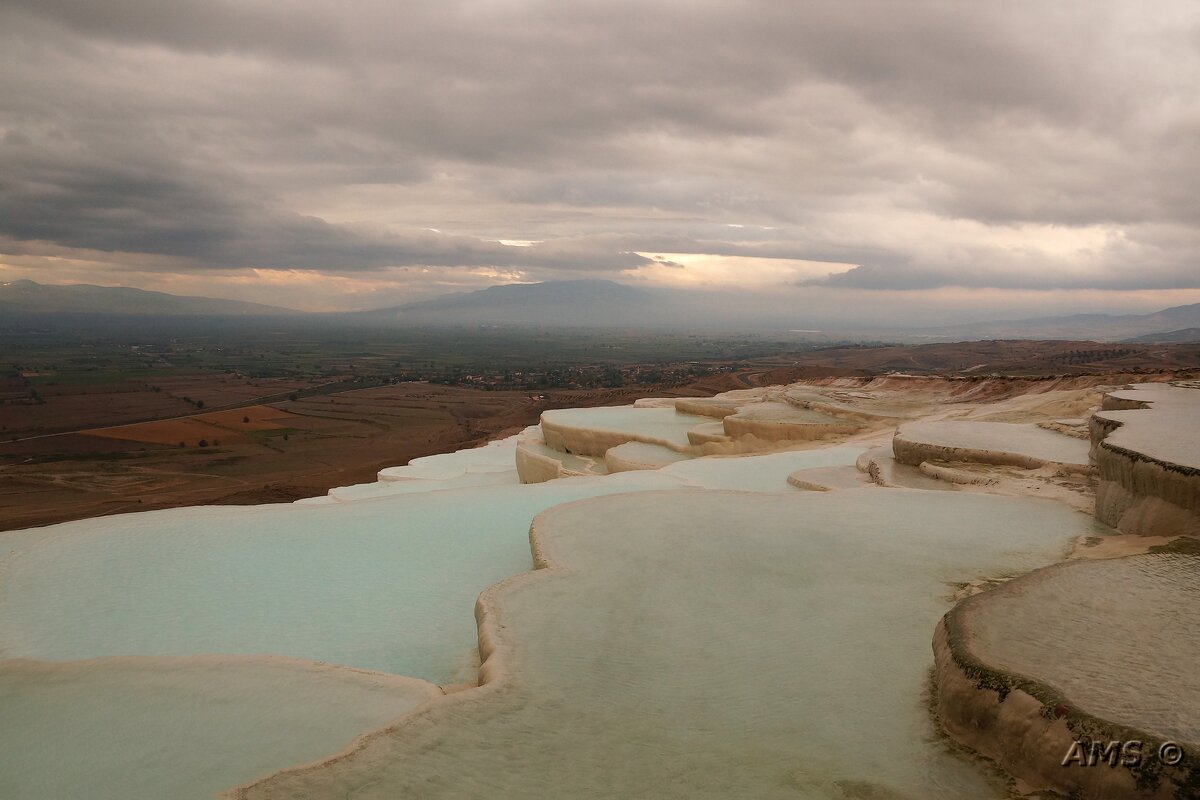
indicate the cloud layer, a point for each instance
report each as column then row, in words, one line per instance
column 1015, row 146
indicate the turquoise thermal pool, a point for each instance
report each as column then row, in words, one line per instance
column 714, row 644
column 707, row 626
column 179, row 728
column 385, row 584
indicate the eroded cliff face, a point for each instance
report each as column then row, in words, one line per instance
column 1146, row 446
column 1027, row 446
column 1137, row 495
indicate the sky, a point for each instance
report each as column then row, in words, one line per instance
column 957, row 159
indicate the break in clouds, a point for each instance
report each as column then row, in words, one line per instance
column 1009, row 146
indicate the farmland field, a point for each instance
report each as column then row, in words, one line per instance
column 106, row 416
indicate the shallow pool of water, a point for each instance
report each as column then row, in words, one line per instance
column 150, row 728
column 386, row 584
column 765, row 473
column 1005, row 437
column 718, row 644
column 1115, row 636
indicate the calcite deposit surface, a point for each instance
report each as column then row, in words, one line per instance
column 1087, row 651
column 1146, row 444
column 742, row 645
column 1023, row 445
column 743, row 607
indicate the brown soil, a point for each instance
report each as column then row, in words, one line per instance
column 190, row 431
column 250, row 418
column 1007, row 357
column 287, row 451
column 71, row 408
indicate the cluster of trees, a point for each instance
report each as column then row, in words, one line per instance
column 1090, row 356
column 585, row 377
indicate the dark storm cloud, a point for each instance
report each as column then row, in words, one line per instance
column 152, row 205
column 327, row 136
column 214, row 26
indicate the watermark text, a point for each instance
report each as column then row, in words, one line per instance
column 1130, row 753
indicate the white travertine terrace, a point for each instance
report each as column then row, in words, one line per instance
column 855, row 406
column 293, row 580
column 683, row 641
column 379, row 576
column 659, row 431
column 83, row 729
column 494, row 456
column 536, row 462
column 709, row 433
column 592, row 431
column 654, row 402
column 720, row 406
column 689, row 654
column 881, row 467
column 778, row 421
column 1146, row 443
column 757, row 473
column 640, row 455
column 1022, row 445
column 1075, row 426
column 824, row 479
column 393, row 487
column 1098, row 643
column 1058, row 656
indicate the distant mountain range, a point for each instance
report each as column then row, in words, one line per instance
column 605, row 303
column 601, row 303
column 81, row 298
column 578, row 303
column 1170, row 337
column 1159, row 326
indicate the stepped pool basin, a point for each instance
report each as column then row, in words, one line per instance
column 713, row 644
column 702, row 628
column 385, row 584
column 179, row 728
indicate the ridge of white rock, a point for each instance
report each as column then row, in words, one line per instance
column 1004, row 443
column 773, row 421
column 536, row 462
column 1146, row 443
column 856, row 406
column 495, row 456
column 592, row 431
column 658, row 431
column 640, row 455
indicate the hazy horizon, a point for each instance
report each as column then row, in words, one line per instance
column 916, row 165
column 598, row 304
